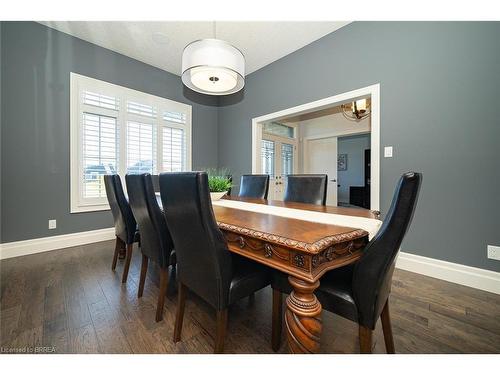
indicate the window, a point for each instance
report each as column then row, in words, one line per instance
column 118, row 130
column 286, row 159
column 99, row 152
column 173, row 149
column 267, row 155
column 141, row 148
column 278, row 129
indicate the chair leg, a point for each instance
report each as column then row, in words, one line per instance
column 122, row 251
column 118, row 246
column 182, row 290
column 387, row 328
column 127, row 263
column 144, row 270
column 221, row 331
column 163, row 291
column 365, row 340
column 277, row 319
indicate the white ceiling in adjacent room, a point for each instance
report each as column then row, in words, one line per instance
column 161, row 43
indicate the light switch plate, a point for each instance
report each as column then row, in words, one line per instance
column 493, row 252
column 388, row 152
column 52, row 224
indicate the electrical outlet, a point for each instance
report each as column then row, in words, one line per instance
column 52, row 224
column 493, row 252
column 388, row 152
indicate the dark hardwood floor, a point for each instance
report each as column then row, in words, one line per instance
column 71, row 300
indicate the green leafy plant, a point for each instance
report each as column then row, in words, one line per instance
column 218, row 180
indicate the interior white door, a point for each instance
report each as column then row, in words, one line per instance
column 278, row 161
column 320, row 156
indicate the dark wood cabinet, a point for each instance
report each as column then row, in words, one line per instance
column 357, row 196
column 360, row 195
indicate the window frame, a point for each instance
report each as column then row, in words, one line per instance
column 79, row 84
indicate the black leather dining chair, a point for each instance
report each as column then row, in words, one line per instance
column 306, row 188
column 204, row 264
column 125, row 225
column 360, row 292
column 254, row 186
column 156, row 243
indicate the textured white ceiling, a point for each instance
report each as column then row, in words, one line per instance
column 161, row 43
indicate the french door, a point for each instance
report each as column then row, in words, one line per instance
column 278, row 155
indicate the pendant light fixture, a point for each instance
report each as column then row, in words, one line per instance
column 213, row 66
column 358, row 110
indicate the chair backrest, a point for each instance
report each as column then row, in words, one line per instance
column 156, row 243
column 254, row 186
column 306, row 188
column 156, row 182
column 372, row 275
column 125, row 225
column 203, row 259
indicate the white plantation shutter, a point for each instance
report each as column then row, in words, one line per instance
column 100, row 100
column 177, row 117
column 100, row 153
column 118, row 130
column 141, row 109
column 141, row 148
column 173, row 149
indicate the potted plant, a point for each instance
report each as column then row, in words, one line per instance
column 219, row 183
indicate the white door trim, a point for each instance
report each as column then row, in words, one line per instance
column 373, row 91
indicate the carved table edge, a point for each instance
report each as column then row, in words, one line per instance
column 310, row 248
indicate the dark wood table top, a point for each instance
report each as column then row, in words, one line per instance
column 360, row 212
column 306, row 236
column 303, row 249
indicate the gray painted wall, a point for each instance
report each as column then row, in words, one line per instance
column 439, row 88
column 36, row 63
column 439, row 92
column 354, row 146
column 1, row 69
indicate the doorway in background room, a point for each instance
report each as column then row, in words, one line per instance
column 320, row 142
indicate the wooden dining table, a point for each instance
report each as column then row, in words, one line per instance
column 304, row 250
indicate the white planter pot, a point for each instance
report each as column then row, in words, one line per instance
column 217, row 196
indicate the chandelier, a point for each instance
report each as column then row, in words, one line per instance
column 213, row 66
column 357, row 110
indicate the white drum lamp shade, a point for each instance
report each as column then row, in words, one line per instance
column 213, row 66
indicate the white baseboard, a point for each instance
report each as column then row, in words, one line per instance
column 456, row 273
column 453, row 272
column 39, row 245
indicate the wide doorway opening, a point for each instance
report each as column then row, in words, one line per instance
column 338, row 136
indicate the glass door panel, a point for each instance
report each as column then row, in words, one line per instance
column 278, row 161
column 287, row 160
column 268, row 164
column 267, row 154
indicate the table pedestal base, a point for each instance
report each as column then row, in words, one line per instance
column 303, row 317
